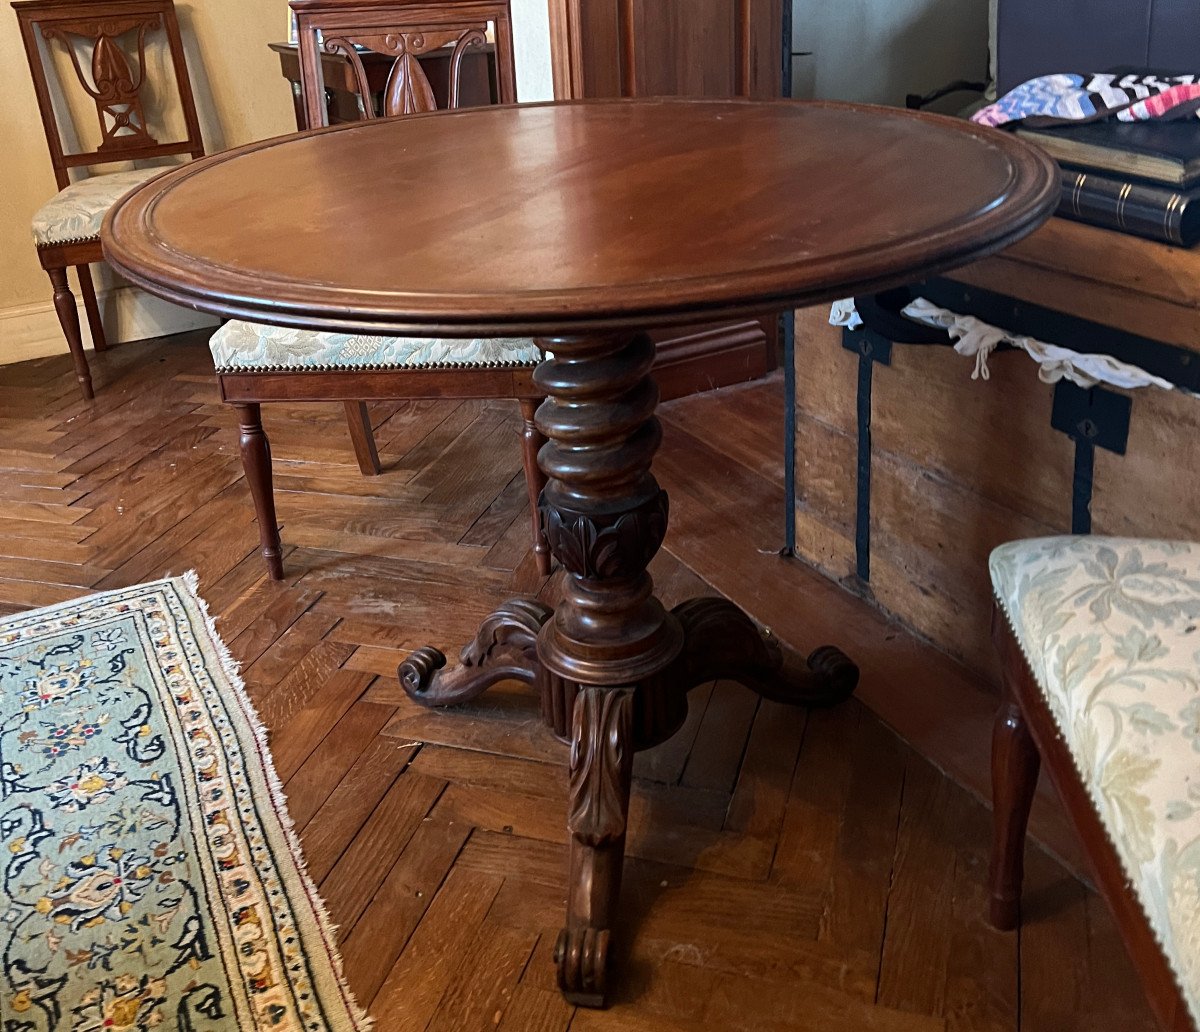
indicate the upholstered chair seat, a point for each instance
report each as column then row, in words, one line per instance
column 74, row 215
column 245, row 347
column 1111, row 632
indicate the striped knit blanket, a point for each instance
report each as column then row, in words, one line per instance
column 1084, row 97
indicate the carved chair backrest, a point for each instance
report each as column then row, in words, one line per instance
column 403, row 30
column 112, row 34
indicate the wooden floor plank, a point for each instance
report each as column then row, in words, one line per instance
column 916, row 948
column 425, row 971
column 484, row 982
column 536, row 1010
column 302, row 733
column 1062, row 987
column 863, row 869
column 982, row 981
column 377, row 938
column 750, row 1005
column 282, row 656
column 331, row 829
column 363, row 864
column 325, row 767
column 79, row 575
column 256, row 621
column 721, row 740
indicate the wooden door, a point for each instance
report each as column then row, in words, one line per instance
column 680, row 48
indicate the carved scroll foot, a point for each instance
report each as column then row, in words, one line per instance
column 504, row 649
column 601, row 769
column 582, row 958
column 723, row 642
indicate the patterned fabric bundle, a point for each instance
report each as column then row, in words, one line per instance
column 976, row 339
column 1086, row 97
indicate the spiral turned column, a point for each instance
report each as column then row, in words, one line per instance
column 604, row 513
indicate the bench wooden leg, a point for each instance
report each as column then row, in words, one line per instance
column 532, row 440
column 256, row 462
column 1015, row 767
column 362, row 434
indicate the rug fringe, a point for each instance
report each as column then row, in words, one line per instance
column 363, row 1021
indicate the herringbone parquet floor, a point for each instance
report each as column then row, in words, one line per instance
column 787, row 872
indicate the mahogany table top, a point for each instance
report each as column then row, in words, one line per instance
column 565, row 218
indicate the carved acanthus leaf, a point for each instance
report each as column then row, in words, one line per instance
column 601, row 764
column 602, row 547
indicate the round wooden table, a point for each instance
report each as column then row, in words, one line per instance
column 586, row 224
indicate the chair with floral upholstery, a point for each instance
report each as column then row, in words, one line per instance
column 112, row 36
column 1099, row 640
column 257, row 362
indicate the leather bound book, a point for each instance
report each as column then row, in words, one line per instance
column 1167, row 152
column 1161, row 213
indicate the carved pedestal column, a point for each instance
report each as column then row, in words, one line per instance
column 604, row 514
column 613, row 667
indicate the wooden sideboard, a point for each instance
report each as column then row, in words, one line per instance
column 693, row 48
column 958, row 466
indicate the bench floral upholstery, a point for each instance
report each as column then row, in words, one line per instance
column 1111, row 630
column 75, row 214
column 251, row 347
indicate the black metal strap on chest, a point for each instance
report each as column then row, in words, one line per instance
column 1098, row 417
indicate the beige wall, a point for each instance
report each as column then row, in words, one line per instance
column 240, row 96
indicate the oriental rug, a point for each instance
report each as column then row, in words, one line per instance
column 149, row 875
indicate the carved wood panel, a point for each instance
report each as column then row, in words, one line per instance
column 404, row 32
column 110, row 81
column 110, row 48
column 408, row 90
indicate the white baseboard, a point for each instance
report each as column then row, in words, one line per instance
column 32, row 331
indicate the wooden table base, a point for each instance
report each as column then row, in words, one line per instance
column 612, row 666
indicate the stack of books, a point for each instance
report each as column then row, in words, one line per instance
column 1135, row 177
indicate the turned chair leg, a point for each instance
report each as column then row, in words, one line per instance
column 256, row 462
column 532, row 440
column 68, row 318
column 362, row 434
column 95, row 323
column 1015, row 766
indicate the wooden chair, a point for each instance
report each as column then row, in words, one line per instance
column 112, row 35
column 1099, row 640
column 258, row 363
